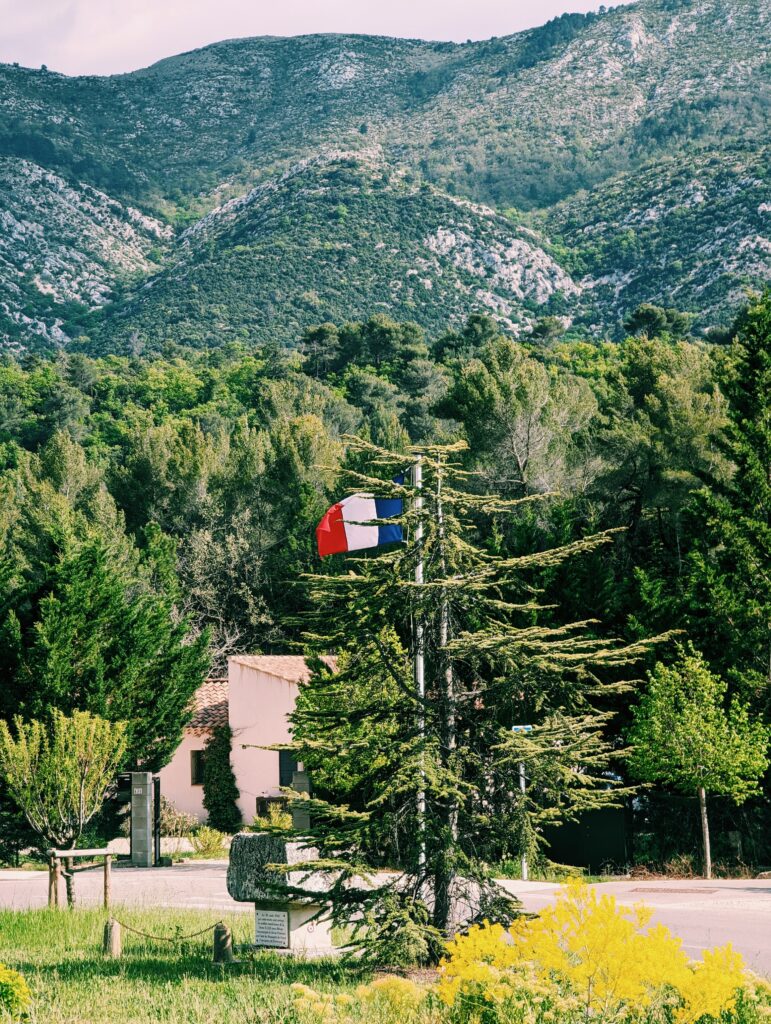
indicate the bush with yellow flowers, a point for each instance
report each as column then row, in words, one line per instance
column 386, row 999
column 587, row 959
column 15, row 996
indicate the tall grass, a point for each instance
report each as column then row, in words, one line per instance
column 155, row 982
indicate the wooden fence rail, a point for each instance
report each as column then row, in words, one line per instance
column 55, row 858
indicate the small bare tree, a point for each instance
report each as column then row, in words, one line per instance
column 58, row 772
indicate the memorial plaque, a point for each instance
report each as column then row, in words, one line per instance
column 271, row 928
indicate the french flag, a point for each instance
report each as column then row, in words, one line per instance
column 351, row 525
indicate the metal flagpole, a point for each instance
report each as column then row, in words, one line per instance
column 522, row 786
column 420, row 679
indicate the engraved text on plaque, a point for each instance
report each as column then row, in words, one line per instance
column 271, row 928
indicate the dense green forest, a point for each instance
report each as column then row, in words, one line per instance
column 169, row 503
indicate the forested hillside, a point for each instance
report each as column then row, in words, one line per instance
column 631, row 141
column 216, row 271
column 197, row 480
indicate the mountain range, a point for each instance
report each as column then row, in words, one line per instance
column 246, row 190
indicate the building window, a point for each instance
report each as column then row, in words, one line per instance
column 287, row 766
column 196, row 767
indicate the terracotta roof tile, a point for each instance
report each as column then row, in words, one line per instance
column 291, row 667
column 210, row 706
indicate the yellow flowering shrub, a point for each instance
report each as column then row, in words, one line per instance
column 585, row 957
column 15, row 996
column 711, row 986
column 753, row 1003
column 312, row 1005
column 388, row 998
column 399, row 994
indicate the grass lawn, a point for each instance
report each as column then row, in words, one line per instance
column 60, row 955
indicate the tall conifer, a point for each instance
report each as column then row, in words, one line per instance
column 431, row 786
column 90, row 623
column 727, row 600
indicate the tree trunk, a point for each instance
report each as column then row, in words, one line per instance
column 444, row 875
column 445, row 871
column 705, row 832
column 69, row 881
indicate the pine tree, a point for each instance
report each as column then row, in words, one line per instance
column 432, row 781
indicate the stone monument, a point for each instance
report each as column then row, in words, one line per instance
column 282, row 921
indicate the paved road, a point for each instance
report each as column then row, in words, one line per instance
column 702, row 913
column 192, row 885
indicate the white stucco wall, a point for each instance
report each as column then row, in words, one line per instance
column 259, row 706
column 175, row 778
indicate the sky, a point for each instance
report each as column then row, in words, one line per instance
column 79, row 37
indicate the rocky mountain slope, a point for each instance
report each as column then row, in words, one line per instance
column 335, row 238
column 695, row 235
column 602, row 131
column 63, row 248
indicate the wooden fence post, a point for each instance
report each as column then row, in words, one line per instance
column 57, row 874
column 113, row 946
column 107, row 881
column 223, row 944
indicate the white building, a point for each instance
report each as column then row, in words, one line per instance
column 256, row 700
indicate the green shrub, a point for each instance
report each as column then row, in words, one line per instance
column 175, row 824
column 277, row 817
column 208, row 841
column 15, row 996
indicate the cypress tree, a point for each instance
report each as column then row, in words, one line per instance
column 89, row 623
column 107, row 642
column 727, row 600
column 220, row 791
column 430, row 784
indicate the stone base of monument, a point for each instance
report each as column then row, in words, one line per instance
column 282, row 924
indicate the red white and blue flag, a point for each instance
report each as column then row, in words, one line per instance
column 352, row 524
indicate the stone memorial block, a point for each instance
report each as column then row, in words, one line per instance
column 281, row 921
